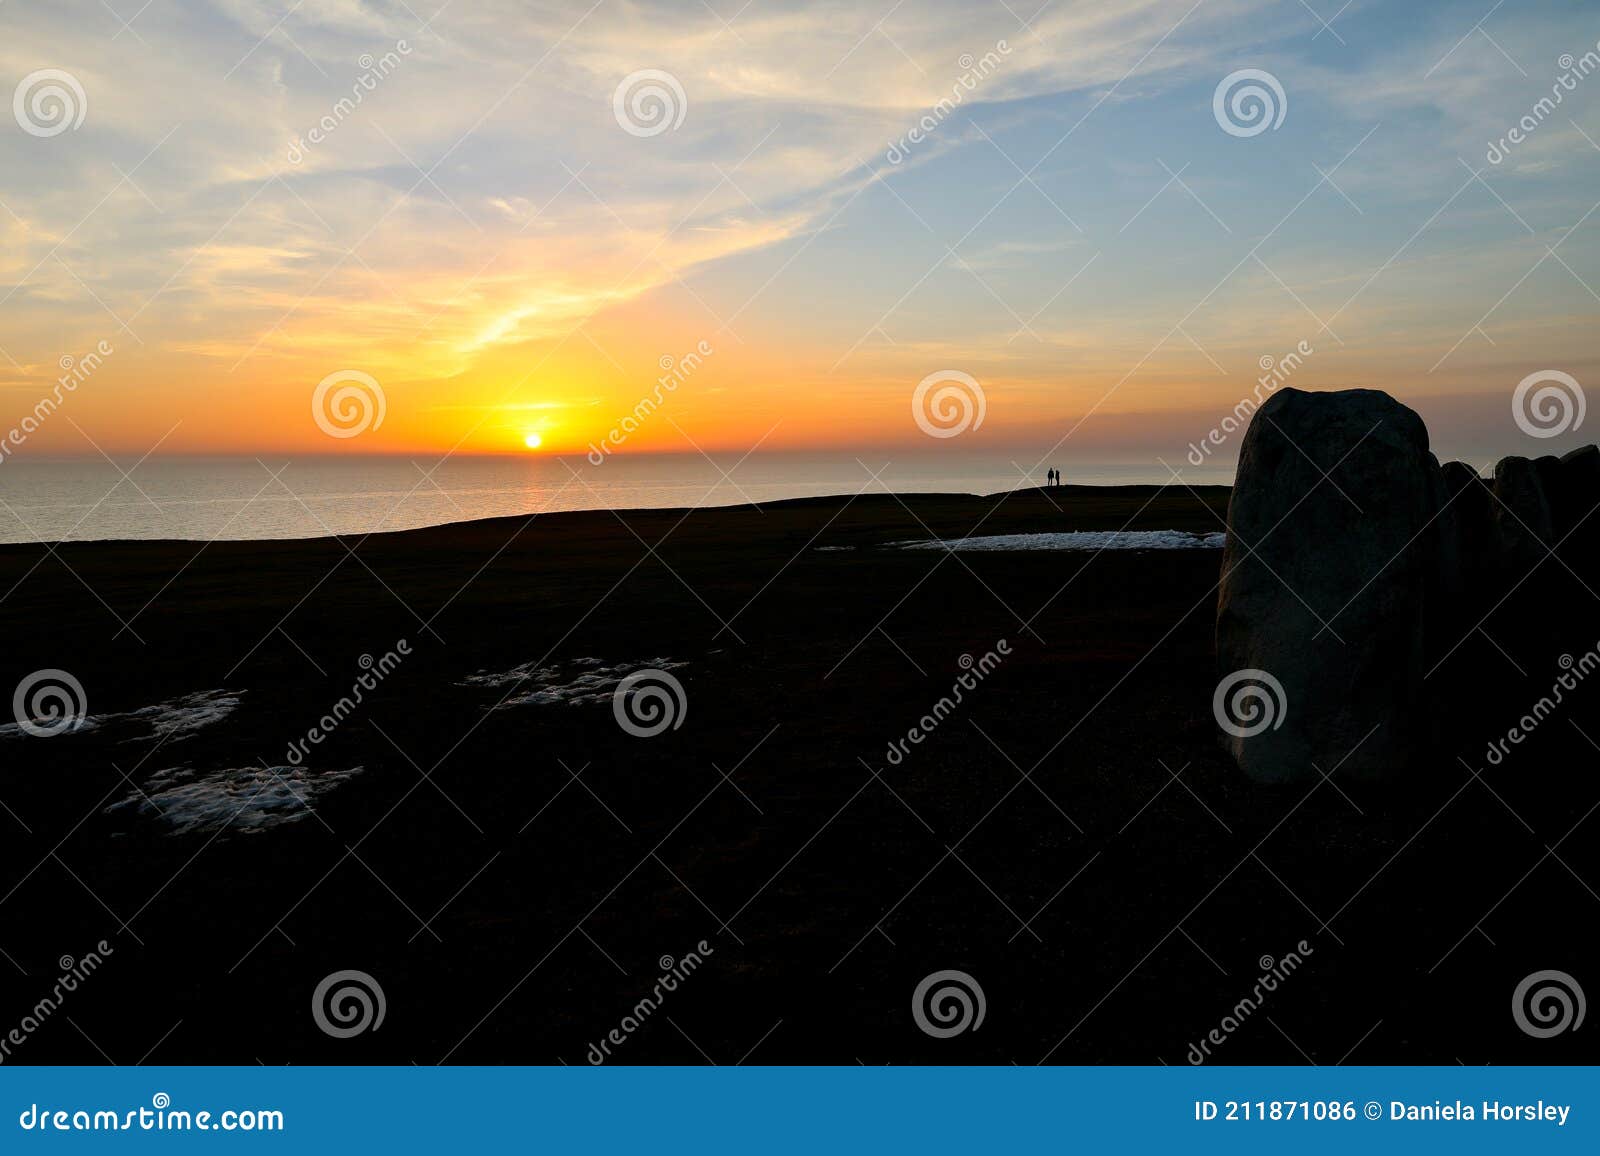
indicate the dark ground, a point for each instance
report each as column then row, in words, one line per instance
column 511, row 914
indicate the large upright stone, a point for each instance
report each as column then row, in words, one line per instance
column 1523, row 525
column 1580, row 469
column 1572, row 490
column 1331, row 563
column 1577, row 520
column 1468, row 546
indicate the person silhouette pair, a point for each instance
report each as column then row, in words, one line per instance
column 1053, row 477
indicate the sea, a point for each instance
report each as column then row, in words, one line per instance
column 212, row 498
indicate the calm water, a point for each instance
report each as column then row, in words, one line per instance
column 205, row 498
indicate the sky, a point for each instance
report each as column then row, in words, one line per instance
column 496, row 240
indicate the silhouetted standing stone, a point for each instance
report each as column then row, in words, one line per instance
column 1468, row 564
column 1521, row 515
column 1580, row 468
column 1327, row 581
column 1573, row 494
column 1457, row 474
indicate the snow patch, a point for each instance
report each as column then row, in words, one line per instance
column 183, row 716
column 242, row 799
column 177, row 718
column 1080, row 540
column 579, row 680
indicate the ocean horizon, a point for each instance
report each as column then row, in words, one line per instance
column 268, row 497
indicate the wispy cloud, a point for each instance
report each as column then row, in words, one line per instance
column 472, row 223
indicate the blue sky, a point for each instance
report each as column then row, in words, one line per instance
column 485, row 237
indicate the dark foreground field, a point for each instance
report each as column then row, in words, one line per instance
column 1070, row 836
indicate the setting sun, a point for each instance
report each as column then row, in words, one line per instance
column 533, row 441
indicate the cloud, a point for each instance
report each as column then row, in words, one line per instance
column 470, row 203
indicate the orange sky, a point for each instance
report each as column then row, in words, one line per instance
column 504, row 252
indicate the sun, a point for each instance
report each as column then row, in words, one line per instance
column 533, row 441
